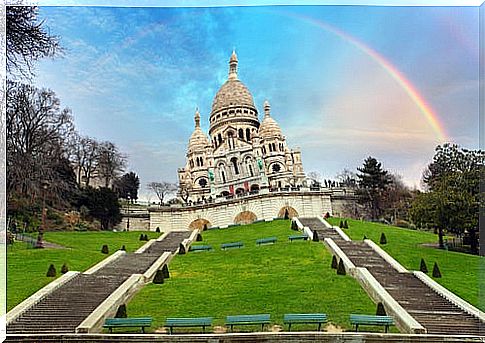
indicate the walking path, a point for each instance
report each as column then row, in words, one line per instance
column 432, row 311
column 69, row 305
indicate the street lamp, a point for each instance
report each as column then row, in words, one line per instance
column 39, row 243
column 128, row 218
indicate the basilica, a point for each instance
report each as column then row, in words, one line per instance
column 241, row 154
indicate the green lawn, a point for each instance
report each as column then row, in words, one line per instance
column 460, row 272
column 276, row 279
column 26, row 267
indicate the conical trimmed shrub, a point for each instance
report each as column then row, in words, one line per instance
column 380, row 311
column 158, row 279
column 199, row 238
column 436, row 270
column 365, row 237
column 341, row 268
column 315, row 237
column 181, row 249
column 145, row 237
column 157, row 230
column 64, row 269
column 341, row 224
column 105, row 249
column 346, row 225
column 294, row 226
column 142, row 237
column 121, row 312
column 383, row 239
column 334, row 262
column 423, row 267
column 51, row 272
column 165, row 271
column 123, row 247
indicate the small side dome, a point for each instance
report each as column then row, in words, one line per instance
column 269, row 127
column 198, row 140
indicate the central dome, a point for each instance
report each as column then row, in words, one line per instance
column 233, row 103
column 232, row 93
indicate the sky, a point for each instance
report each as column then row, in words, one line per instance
column 344, row 82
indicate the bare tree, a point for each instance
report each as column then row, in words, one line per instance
column 84, row 153
column 37, row 129
column 162, row 189
column 27, row 40
column 315, row 178
column 347, row 178
column 111, row 162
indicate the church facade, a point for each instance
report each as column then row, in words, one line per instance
column 240, row 154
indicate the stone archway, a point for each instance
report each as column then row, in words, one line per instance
column 291, row 212
column 245, row 217
column 199, row 224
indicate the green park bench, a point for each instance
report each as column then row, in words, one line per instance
column 305, row 318
column 225, row 246
column 298, row 237
column 363, row 319
column 200, row 247
column 188, row 322
column 266, row 240
column 142, row 322
column 248, row 319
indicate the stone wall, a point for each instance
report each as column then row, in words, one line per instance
column 242, row 210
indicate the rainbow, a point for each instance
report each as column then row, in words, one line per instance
column 426, row 109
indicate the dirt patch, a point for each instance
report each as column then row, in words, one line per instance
column 333, row 328
column 220, row 329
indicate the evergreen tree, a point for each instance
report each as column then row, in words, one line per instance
column 51, row 272
column 334, row 262
column 341, row 268
column 423, row 267
column 383, row 239
column 373, row 181
column 158, row 279
column 436, row 271
column 64, row 269
column 121, row 312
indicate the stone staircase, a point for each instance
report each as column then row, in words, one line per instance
column 67, row 306
column 432, row 311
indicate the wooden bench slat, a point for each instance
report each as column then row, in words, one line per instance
column 111, row 323
column 200, row 247
column 363, row 319
column 266, row 240
column 188, row 322
column 232, row 245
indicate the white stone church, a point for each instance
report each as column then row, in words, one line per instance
column 241, row 154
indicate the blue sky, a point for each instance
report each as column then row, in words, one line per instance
column 134, row 76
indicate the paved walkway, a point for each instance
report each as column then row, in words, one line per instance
column 435, row 313
column 67, row 306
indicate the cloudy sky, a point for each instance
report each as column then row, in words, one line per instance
column 344, row 82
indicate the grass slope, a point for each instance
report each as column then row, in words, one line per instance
column 26, row 267
column 460, row 272
column 276, row 279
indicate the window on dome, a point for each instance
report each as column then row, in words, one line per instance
column 241, row 133
column 274, row 146
column 246, row 111
column 219, row 137
column 248, row 135
column 270, row 148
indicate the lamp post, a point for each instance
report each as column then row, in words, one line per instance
column 39, row 243
column 128, row 218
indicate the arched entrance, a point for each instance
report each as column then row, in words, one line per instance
column 240, row 191
column 199, row 224
column 245, row 217
column 255, row 187
column 291, row 212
